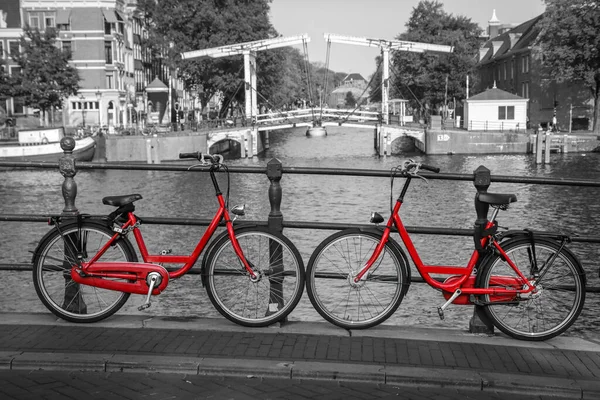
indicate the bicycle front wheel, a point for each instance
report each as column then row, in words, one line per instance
column 355, row 305
column 57, row 254
column 259, row 301
column 557, row 300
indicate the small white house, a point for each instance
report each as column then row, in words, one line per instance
column 496, row 110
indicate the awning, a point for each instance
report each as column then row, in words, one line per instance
column 120, row 16
column 109, row 16
column 137, row 64
column 62, row 17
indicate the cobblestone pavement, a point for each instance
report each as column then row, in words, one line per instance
column 161, row 357
column 49, row 385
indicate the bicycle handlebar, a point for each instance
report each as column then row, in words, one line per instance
column 203, row 158
column 430, row 168
column 413, row 167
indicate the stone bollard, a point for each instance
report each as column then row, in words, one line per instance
column 275, row 221
column 73, row 299
column 479, row 322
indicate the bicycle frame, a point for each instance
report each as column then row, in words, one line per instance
column 461, row 280
column 138, row 274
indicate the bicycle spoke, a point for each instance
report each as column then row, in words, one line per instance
column 556, row 300
column 333, row 291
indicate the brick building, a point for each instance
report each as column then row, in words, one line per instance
column 105, row 39
column 512, row 61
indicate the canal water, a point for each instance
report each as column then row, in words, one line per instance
column 437, row 203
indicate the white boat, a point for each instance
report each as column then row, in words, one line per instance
column 44, row 145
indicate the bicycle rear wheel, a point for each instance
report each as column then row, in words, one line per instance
column 555, row 304
column 254, row 302
column 52, row 263
column 339, row 299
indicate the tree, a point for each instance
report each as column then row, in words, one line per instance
column 6, row 88
column 421, row 77
column 569, row 41
column 350, row 101
column 200, row 24
column 45, row 77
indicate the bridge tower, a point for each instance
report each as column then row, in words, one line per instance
column 383, row 136
column 386, row 46
column 248, row 50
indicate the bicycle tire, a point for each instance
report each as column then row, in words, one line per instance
column 555, row 305
column 52, row 263
column 266, row 300
column 351, row 305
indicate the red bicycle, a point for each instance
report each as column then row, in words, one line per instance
column 85, row 268
column 529, row 285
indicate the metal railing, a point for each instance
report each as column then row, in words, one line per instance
column 274, row 171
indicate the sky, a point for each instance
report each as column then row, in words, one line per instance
column 381, row 19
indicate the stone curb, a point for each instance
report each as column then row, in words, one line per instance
column 252, row 368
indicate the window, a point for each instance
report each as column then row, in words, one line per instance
column 49, row 20
column 506, row 112
column 525, row 64
column 1, row 49
column 13, row 47
column 18, row 105
column 66, row 46
column 525, row 90
column 14, row 70
column 512, row 69
column 504, row 71
column 108, row 52
column 106, row 27
column 109, row 81
column 34, row 21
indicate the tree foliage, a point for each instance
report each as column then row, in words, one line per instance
column 185, row 25
column 421, row 77
column 45, row 78
column 571, row 45
column 349, row 100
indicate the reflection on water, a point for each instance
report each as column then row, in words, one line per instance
column 447, row 204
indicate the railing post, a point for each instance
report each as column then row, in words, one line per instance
column 73, row 300
column 479, row 322
column 66, row 166
column 275, row 224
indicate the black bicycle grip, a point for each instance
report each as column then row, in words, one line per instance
column 430, row 168
column 195, row 155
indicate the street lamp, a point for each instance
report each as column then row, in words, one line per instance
column 82, row 105
column 99, row 98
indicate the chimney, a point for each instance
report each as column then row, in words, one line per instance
column 493, row 26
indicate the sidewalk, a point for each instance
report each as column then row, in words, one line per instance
column 564, row 366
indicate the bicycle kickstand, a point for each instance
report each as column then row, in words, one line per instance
column 447, row 303
column 153, row 280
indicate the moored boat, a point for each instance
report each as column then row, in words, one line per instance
column 44, row 145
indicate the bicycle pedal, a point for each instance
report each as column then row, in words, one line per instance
column 144, row 306
column 441, row 313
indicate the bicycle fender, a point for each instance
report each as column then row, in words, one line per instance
column 395, row 245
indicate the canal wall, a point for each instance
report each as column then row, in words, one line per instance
column 153, row 149
column 459, row 141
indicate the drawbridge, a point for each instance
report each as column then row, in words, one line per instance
column 250, row 136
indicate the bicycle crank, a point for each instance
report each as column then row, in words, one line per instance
column 153, row 279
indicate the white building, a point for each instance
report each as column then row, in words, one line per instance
column 496, row 110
